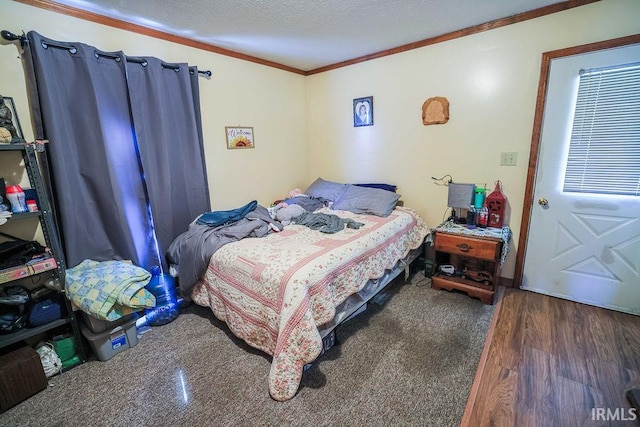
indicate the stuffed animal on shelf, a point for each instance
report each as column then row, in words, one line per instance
column 6, row 118
column 5, row 136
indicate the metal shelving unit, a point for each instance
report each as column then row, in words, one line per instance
column 35, row 159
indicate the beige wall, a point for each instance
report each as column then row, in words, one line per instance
column 239, row 93
column 491, row 81
column 304, row 127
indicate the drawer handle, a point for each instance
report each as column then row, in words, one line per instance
column 463, row 247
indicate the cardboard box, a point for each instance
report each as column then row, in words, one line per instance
column 33, row 267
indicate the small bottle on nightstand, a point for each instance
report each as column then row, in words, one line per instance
column 471, row 217
column 482, row 217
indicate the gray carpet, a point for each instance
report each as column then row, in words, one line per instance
column 408, row 362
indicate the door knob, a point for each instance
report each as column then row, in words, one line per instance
column 543, row 202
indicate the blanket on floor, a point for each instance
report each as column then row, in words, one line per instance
column 109, row 290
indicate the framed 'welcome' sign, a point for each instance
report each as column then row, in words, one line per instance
column 239, row 137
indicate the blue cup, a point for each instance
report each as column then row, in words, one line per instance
column 478, row 200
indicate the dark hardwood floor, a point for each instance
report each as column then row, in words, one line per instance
column 552, row 362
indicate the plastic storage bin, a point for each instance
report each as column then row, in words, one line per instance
column 96, row 325
column 112, row 341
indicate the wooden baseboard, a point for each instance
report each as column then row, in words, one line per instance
column 506, row 282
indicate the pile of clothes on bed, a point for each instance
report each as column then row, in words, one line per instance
column 190, row 252
column 300, row 209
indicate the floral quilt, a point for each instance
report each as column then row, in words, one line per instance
column 275, row 292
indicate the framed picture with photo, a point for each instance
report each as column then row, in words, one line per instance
column 239, row 137
column 363, row 111
column 10, row 130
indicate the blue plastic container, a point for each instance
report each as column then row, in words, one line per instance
column 478, row 200
column 164, row 289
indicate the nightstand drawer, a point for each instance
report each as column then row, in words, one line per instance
column 467, row 246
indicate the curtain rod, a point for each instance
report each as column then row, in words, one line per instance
column 11, row 37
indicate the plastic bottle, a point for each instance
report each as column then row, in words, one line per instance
column 32, row 206
column 471, row 217
column 163, row 288
column 15, row 195
column 482, row 218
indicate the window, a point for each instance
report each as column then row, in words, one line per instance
column 604, row 151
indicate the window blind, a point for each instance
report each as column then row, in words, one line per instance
column 604, row 151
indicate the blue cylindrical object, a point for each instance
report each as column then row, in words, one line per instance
column 163, row 288
column 478, row 200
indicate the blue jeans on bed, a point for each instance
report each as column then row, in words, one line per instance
column 217, row 218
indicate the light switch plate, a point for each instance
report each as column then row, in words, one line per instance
column 508, row 158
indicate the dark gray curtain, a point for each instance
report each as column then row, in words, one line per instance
column 102, row 133
column 168, row 135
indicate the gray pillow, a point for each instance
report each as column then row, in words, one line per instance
column 325, row 190
column 365, row 200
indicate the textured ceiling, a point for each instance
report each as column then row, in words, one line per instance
column 308, row 34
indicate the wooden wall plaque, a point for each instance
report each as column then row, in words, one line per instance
column 435, row 111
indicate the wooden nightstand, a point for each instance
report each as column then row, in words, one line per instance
column 473, row 257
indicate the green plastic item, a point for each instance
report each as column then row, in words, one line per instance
column 65, row 348
column 75, row 360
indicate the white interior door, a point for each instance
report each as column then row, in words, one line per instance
column 582, row 247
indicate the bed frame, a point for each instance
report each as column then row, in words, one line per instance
column 290, row 307
column 357, row 303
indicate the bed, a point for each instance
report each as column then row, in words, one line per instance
column 285, row 292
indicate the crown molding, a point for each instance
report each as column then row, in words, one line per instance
column 139, row 29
